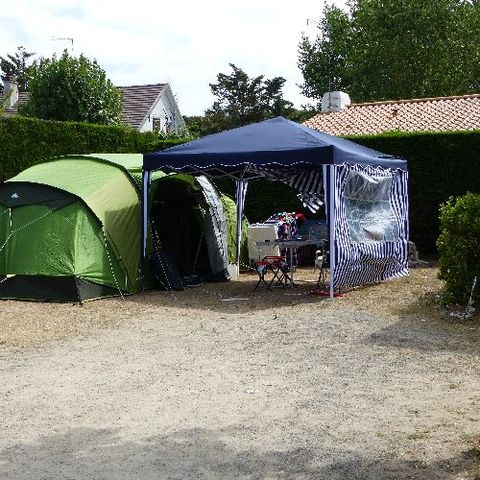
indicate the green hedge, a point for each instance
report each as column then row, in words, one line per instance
column 459, row 255
column 440, row 164
column 27, row 141
column 264, row 198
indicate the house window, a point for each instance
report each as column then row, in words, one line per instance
column 156, row 124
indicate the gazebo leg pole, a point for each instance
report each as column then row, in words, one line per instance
column 239, row 200
column 331, row 225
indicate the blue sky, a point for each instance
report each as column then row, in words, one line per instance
column 185, row 43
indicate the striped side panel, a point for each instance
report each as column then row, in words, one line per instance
column 375, row 261
column 308, row 183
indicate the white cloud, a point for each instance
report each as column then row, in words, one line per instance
column 185, row 43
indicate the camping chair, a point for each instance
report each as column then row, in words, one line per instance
column 279, row 269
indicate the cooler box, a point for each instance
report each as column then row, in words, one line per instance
column 259, row 232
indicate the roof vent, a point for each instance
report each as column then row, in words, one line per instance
column 335, row 101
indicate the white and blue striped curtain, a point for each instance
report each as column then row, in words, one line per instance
column 307, row 182
column 371, row 225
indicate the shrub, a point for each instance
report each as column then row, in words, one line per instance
column 459, row 246
column 440, row 164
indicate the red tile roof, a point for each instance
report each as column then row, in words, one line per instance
column 416, row 115
column 137, row 101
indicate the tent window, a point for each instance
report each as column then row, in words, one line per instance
column 370, row 216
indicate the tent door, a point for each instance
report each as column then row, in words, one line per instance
column 178, row 219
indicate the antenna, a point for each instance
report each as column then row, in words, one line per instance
column 64, row 39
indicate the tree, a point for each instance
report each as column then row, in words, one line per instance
column 242, row 100
column 325, row 63
column 17, row 66
column 195, row 125
column 70, row 88
column 386, row 49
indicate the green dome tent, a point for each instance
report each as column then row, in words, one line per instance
column 70, row 228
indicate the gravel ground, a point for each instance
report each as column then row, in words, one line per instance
column 285, row 385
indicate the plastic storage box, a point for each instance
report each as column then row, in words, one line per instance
column 260, row 232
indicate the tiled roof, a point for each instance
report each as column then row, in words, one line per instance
column 137, row 101
column 417, row 115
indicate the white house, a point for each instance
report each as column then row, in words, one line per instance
column 151, row 107
column 145, row 107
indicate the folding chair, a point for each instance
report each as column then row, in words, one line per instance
column 261, row 268
column 278, row 267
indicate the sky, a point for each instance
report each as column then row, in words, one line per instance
column 184, row 43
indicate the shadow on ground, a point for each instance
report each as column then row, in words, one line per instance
column 201, row 454
column 423, row 325
column 226, row 297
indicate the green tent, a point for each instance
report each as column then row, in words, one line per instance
column 70, row 228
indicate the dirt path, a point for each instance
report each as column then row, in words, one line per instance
column 279, row 387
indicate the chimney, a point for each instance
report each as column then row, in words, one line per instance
column 10, row 91
column 335, row 101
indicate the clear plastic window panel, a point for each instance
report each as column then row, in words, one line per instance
column 370, row 216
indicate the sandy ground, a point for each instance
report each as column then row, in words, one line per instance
column 381, row 384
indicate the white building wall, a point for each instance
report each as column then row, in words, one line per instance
column 167, row 113
column 160, row 110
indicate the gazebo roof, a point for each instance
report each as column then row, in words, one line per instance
column 274, row 142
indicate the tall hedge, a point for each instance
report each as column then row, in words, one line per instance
column 459, row 255
column 440, row 164
column 27, row 141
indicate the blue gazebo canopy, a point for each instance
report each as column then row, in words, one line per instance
column 309, row 161
column 272, row 142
